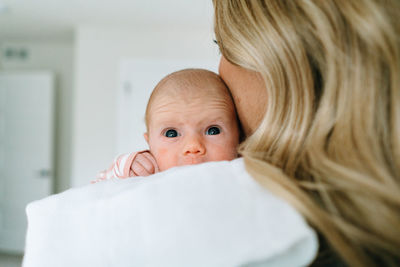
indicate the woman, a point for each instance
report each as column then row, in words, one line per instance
column 326, row 74
column 316, row 85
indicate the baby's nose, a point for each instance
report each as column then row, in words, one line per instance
column 194, row 146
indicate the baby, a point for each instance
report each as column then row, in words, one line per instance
column 190, row 119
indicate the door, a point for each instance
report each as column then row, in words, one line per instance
column 26, row 148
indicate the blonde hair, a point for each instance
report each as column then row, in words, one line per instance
column 187, row 82
column 329, row 142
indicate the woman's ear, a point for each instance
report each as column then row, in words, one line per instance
column 146, row 137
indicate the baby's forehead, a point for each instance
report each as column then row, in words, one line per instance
column 189, row 85
column 192, row 83
column 198, row 110
column 175, row 90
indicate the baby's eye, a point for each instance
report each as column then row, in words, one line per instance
column 171, row 133
column 214, row 130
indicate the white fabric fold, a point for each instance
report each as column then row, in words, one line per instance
column 212, row 214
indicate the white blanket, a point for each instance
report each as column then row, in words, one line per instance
column 213, row 214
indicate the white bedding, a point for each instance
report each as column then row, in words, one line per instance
column 213, row 214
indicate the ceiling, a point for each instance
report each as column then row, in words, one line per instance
column 58, row 18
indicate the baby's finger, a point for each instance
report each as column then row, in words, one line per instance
column 146, row 162
column 138, row 169
column 152, row 160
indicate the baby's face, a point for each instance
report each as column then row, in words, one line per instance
column 192, row 130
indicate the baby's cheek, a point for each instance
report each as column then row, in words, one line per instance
column 225, row 151
column 227, row 154
column 165, row 159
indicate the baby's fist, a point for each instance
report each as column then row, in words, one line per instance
column 144, row 164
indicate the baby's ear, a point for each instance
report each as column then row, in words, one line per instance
column 146, row 137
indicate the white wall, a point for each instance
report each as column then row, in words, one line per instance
column 98, row 53
column 56, row 56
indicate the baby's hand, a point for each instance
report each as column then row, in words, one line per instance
column 144, row 165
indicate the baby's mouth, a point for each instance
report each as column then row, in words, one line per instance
column 191, row 160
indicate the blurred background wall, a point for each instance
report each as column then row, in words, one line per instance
column 98, row 53
column 83, row 42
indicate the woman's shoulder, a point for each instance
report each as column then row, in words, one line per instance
column 212, row 214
